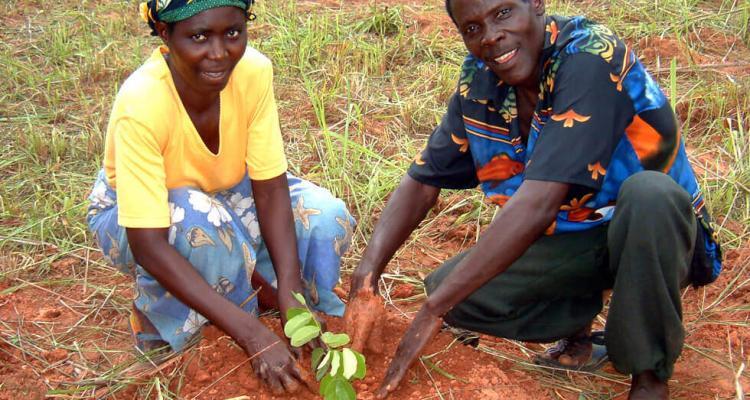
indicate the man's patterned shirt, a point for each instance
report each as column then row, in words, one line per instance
column 600, row 118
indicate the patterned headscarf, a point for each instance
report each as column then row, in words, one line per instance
column 170, row 11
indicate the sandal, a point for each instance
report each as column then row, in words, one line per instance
column 465, row 336
column 146, row 339
column 596, row 361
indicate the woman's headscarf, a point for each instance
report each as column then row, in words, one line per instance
column 171, row 11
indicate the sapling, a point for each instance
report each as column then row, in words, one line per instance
column 334, row 367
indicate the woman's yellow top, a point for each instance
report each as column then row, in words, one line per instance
column 152, row 145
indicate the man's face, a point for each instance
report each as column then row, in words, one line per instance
column 508, row 35
column 204, row 49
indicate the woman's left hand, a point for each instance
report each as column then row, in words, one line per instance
column 424, row 327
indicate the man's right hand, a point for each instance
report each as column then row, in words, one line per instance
column 363, row 278
column 272, row 360
column 406, row 208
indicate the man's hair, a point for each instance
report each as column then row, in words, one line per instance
column 450, row 12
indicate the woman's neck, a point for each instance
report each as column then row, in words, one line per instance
column 192, row 99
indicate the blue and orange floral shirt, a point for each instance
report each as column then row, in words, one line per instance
column 600, row 118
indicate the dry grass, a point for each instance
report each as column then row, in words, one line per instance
column 360, row 87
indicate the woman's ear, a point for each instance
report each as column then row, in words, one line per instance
column 163, row 30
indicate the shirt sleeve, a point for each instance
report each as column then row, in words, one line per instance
column 446, row 161
column 142, row 196
column 589, row 116
column 265, row 146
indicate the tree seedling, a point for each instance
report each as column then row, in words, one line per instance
column 334, row 367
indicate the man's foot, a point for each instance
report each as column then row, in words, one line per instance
column 570, row 352
column 584, row 351
column 646, row 386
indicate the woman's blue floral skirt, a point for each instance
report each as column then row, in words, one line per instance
column 220, row 236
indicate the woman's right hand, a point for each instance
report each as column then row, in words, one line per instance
column 270, row 357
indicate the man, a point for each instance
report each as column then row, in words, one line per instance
column 561, row 126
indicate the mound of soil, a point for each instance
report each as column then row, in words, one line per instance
column 362, row 323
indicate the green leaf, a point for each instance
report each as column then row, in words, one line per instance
column 335, row 340
column 316, row 357
column 323, row 367
column 325, row 384
column 295, row 311
column 296, row 323
column 304, row 335
column 335, row 362
column 326, row 360
column 349, row 361
column 299, row 298
column 339, row 389
column 361, row 366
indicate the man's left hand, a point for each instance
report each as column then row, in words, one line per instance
column 424, row 327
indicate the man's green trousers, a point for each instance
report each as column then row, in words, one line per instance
column 555, row 289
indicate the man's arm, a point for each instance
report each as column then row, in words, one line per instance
column 525, row 217
column 406, row 208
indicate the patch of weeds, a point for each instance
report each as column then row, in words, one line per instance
column 384, row 21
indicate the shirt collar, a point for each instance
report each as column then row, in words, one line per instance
column 480, row 84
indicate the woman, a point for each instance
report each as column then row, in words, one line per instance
column 194, row 200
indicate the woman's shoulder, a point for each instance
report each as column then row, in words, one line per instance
column 146, row 91
column 253, row 64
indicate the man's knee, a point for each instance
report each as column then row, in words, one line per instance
column 434, row 279
column 654, row 194
column 431, row 282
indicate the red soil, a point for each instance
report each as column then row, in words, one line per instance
column 477, row 375
column 217, row 368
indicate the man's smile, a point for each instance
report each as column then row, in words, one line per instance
column 507, row 56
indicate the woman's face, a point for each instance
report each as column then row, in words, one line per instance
column 507, row 35
column 204, row 49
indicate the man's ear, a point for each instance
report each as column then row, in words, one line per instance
column 163, row 30
column 539, row 6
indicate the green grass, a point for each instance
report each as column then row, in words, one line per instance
column 359, row 90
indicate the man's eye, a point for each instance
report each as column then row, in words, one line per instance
column 199, row 37
column 471, row 29
column 503, row 13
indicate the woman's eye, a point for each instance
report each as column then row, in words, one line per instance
column 199, row 37
column 232, row 34
column 503, row 13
